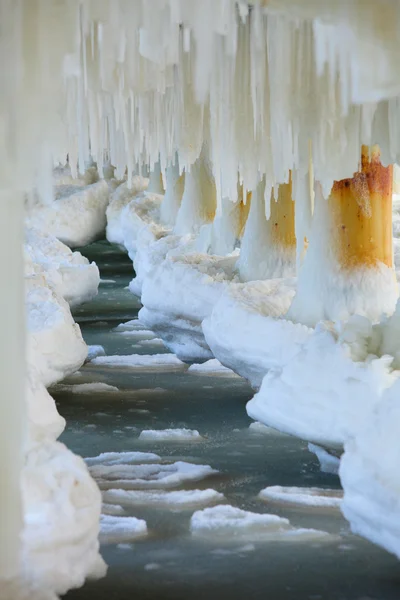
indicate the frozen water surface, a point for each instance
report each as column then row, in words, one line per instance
column 169, row 562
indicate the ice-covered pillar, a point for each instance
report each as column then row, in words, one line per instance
column 348, row 268
column 155, row 181
column 173, row 194
column 269, row 245
column 222, row 235
column 199, row 199
column 12, row 380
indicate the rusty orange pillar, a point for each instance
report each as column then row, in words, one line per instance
column 282, row 218
column 361, row 211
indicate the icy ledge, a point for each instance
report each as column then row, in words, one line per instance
column 370, row 475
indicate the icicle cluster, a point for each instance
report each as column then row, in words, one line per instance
column 131, row 81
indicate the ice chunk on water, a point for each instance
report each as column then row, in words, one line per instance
column 178, row 499
column 258, row 427
column 233, row 523
column 130, row 325
column 87, row 388
column 142, row 362
column 119, row 458
column 171, row 435
column 137, row 333
column 94, row 351
column 305, row 496
column 114, row 510
column 211, row 367
column 150, row 476
column 116, row 530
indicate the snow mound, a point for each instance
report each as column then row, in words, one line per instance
column 116, row 530
column 77, row 216
column 68, row 273
column 171, row 435
column 211, row 367
column 55, row 344
column 178, row 499
column 316, row 497
column 121, row 458
column 149, row 476
column 86, row 388
column 119, row 199
column 234, row 523
column 143, row 362
column 61, row 511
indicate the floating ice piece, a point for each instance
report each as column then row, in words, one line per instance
column 122, row 458
column 113, row 510
column 86, row 388
column 178, row 499
column 171, row 435
column 258, row 427
column 94, row 351
column 145, row 476
column 143, row 362
column 152, row 342
column 230, row 522
column 328, row 462
column 137, row 333
column 115, row 530
column 212, row 367
column 134, row 324
column 306, row 496
column 107, row 281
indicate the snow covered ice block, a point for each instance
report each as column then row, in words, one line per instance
column 244, row 330
column 122, row 458
column 115, row 529
column 179, row 294
column 77, row 216
column 328, row 462
column 171, row 435
column 68, row 273
column 174, row 500
column 143, row 362
column 148, row 476
column 113, row 510
column 313, row 497
column 370, row 476
column 231, row 523
column 326, row 391
column 119, row 199
column 211, row 367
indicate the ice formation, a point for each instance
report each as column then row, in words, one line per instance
column 197, row 88
column 170, row 435
column 316, row 497
column 118, row 529
column 233, row 524
column 177, row 499
column 168, row 362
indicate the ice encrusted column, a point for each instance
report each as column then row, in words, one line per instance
column 173, row 194
column 199, row 199
column 269, row 245
column 348, row 268
column 12, row 381
column 155, row 180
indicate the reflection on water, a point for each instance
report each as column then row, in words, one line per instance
column 170, row 563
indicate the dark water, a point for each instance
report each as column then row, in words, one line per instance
column 170, row 563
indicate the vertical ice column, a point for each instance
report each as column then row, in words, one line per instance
column 173, row 194
column 348, row 268
column 155, row 182
column 269, row 246
column 199, row 199
column 12, row 381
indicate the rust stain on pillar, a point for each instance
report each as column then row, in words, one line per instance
column 361, row 211
column 282, row 216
